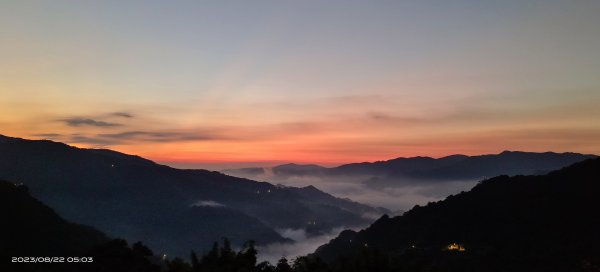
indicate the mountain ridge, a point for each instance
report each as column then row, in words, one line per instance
column 451, row 167
column 103, row 188
column 501, row 222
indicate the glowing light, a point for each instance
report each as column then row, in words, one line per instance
column 455, row 247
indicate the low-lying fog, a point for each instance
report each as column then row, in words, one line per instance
column 397, row 195
column 394, row 194
column 303, row 245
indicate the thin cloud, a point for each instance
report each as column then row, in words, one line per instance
column 48, row 135
column 92, row 140
column 208, row 203
column 389, row 118
column 122, row 114
column 159, row 136
column 130, row 137
column 78, row 122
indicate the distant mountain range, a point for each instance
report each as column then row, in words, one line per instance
column 172, row 210
column 424, row 169
column 522, row 223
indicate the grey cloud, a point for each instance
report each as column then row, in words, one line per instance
column 159, row 136
column 122, row 114
column 388, row 118
column 92, row 140
column 48, row 135
column 79, row 121
column 109, row 139
column 207, row 203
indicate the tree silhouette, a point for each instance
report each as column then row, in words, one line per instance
column 178, row 265
column 283, row 265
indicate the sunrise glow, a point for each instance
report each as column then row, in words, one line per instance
column 193, row 87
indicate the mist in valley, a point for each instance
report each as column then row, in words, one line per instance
column 396, row 195
column 303, row 244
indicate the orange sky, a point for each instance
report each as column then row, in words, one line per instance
column 210, row 86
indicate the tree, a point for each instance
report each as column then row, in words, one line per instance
column 283, row 265
column 117, row 256
column 210, row 260
column 309, row 264
column 141, row 249
column 195, row 262
column 178, row 265
column 246, row 258
column 265, row 267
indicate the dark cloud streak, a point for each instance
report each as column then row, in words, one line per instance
column 79, row 121
column 122, row 114
column 48, row 135
column 92, row 140
column 159, row 136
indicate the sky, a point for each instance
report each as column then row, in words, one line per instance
column 217, row 84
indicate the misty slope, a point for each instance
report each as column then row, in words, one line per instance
column 419, row 169
column 530, row 223
column 137, row 199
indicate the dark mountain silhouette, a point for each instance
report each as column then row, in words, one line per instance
column 425, row 169
column 521, row 223
column 131, row 197
column 29, row 229
column 465, row 167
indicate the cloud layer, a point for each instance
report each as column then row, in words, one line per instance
column 301, row 246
